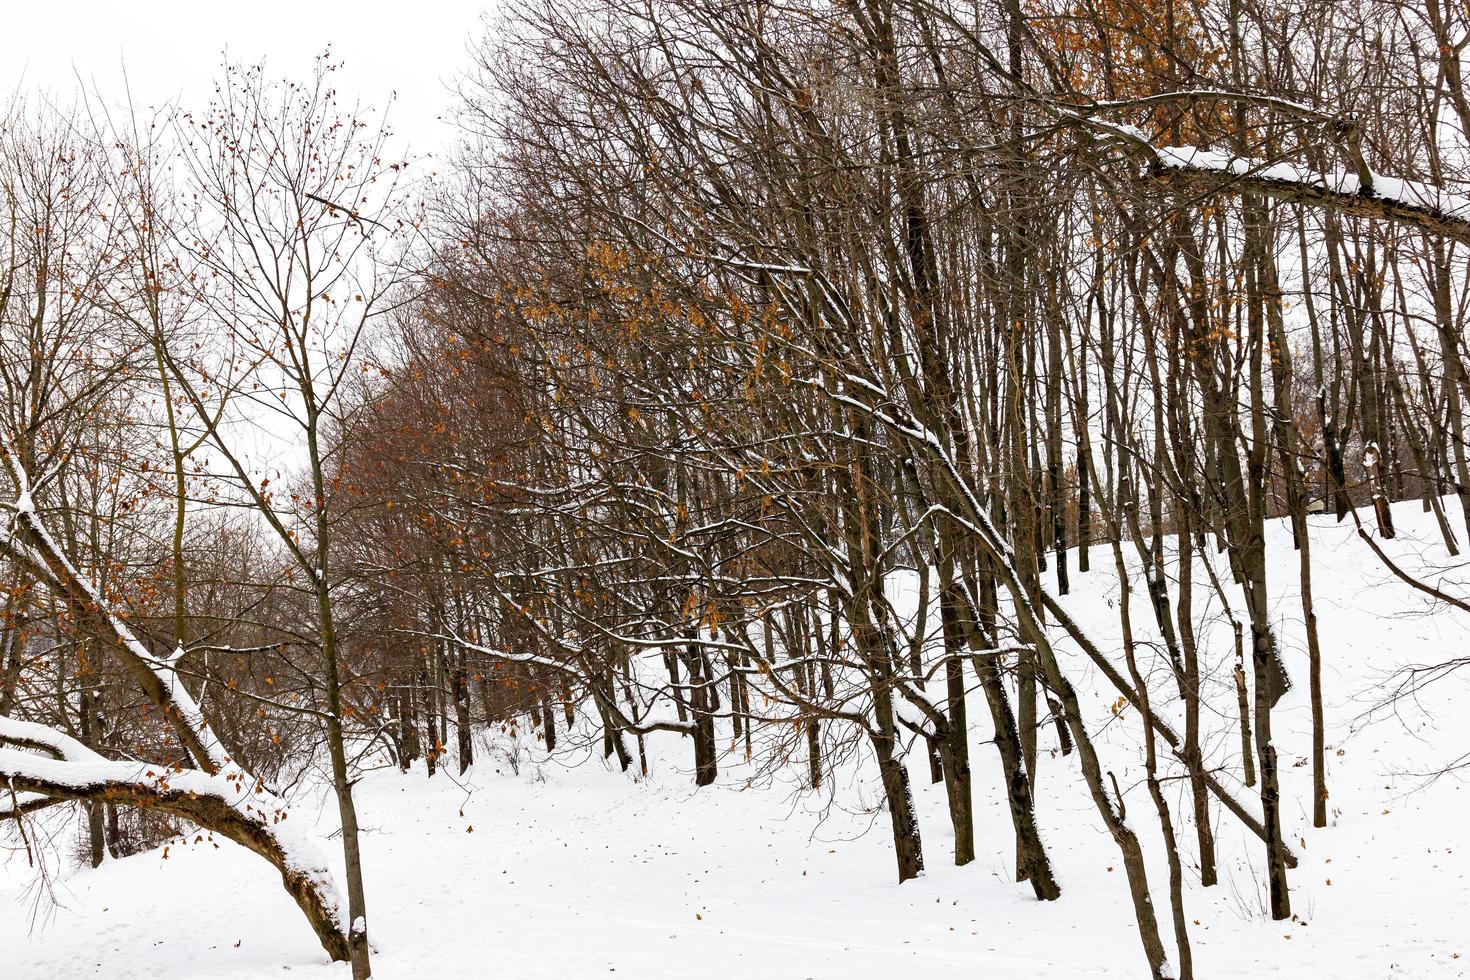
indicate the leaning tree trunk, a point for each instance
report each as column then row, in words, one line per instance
column 231, row 804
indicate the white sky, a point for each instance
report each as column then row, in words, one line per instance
column 172, row 50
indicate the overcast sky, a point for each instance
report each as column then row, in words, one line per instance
column 171, row 49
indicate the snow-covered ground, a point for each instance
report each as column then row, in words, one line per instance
column 562, row 868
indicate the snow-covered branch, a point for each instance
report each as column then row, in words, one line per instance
column 234, row 804
column 1390, row 198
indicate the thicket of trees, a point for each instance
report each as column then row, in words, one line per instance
column 761, row 375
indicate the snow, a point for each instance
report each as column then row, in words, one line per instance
column 59, row 743
column 563, row 867
column 1409, row 193
column 236, row 789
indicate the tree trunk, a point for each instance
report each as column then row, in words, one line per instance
column 462, row 727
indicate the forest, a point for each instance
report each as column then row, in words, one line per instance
column 1035, row 429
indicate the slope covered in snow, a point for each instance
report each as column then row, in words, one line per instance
column 559, row 867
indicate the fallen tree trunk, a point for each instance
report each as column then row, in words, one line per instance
column 232, row 804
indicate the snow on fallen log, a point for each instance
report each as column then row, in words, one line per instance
column 233, row 804
column 57, row 744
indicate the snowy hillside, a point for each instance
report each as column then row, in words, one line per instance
column 567, row 868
